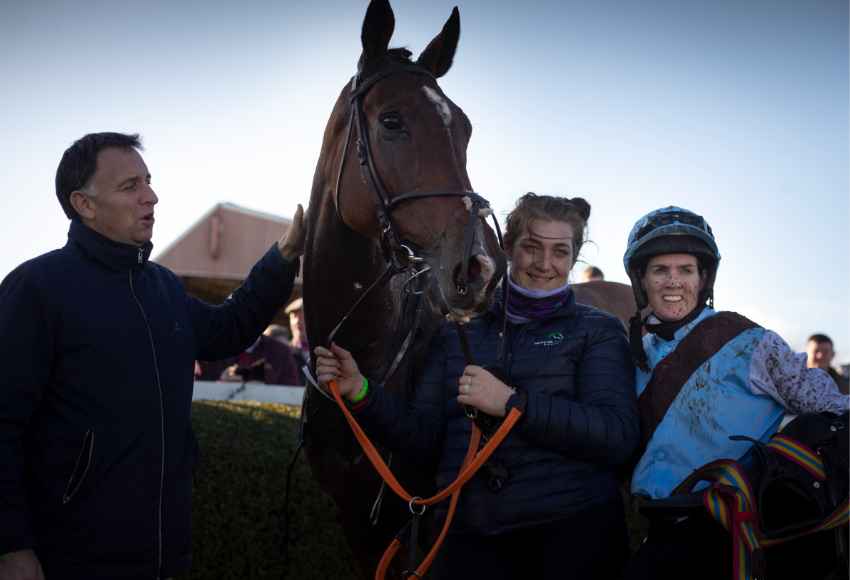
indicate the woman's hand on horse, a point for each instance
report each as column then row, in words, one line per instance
column 480, row 389
column 291, row 244
column 337, row 364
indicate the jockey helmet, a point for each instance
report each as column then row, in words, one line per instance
column 671, row 230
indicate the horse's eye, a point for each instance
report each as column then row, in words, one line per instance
column 392, row 122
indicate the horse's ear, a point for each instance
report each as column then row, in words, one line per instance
column 438, row 55
column 377, row 30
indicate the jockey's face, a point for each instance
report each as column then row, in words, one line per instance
column 118, row 200
column 542, row 257
column 672, row 283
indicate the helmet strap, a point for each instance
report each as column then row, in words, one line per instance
column 667, row 330
column 636, row 342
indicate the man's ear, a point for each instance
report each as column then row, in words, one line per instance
column 83, row 204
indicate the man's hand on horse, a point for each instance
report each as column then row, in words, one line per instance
column 291, row 244
column 337, row 364
column 480, row 389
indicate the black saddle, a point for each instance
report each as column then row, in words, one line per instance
column 789, row 498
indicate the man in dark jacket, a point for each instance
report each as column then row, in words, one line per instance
column 98, row 345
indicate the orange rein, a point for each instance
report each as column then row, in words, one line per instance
column 471, row 464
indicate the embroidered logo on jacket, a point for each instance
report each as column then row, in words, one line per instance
column 551, row 339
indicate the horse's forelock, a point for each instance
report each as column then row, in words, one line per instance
column 399, row 55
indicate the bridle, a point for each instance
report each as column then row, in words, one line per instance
column 396, row 251
column 399, row 255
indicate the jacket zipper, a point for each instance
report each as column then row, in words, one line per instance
column 161, row 423
column 76, row 480
column 512, row 336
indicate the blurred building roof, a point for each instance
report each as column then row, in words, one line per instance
column 216, row 253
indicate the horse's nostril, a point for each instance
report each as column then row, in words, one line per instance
column 473, row 273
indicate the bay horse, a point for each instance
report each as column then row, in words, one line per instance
column 612, row 297
column 395, row 240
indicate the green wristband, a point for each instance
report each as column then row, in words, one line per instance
column 364, row 390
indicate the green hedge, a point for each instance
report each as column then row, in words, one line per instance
column 239, row 493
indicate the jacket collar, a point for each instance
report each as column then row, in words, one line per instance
column 112, row 254
column 497, row 305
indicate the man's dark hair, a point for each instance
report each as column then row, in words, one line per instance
column 820, row 339
column 79, row 163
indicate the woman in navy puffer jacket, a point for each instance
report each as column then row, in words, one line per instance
column 547, row 504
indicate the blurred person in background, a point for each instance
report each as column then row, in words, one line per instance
column 299, row 343
column 590, row 274
column 278, row 332
column 819, row 355
column 268, row 360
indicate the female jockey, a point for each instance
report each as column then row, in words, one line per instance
column 703, row 376
column 547, row 504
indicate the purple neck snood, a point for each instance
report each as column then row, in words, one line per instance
column 525, row 305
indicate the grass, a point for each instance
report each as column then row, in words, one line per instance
column 238, row 500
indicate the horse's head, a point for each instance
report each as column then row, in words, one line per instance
column 398, row 145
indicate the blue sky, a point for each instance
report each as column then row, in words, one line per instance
column 737, row 110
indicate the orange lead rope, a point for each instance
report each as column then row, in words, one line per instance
column 471, row 464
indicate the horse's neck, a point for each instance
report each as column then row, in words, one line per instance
column 340, row 267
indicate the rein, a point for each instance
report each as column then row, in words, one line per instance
column 472, row 462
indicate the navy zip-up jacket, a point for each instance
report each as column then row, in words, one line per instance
column 580, row 422
column 97, row 347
